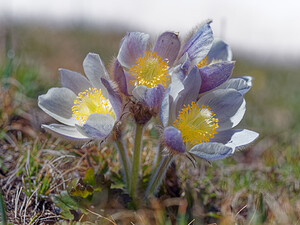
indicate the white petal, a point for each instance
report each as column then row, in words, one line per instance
column 241, row 84
column 211, row 151
column 165, row 108
column 58, row 103
column 176, row 85
column 129, row 80
column 98, row 125
column 199, row 44
column 235, row 138
column 220, row 51
column 192, row 84
column 66, row 132
column 74, row 81
column 95, row 70
column 228, row 105
column 132, row 46
column 139, row 92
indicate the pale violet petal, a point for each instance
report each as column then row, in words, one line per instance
column 74, row 81
column 211, row 151
column 185, row 63
column 98, row 125
column 215, row 74
column 219, row 51
column 132, row 47
column 152, row 97
column 235, row 138
column 130, row 80
column 139, row 92
column 199, row 44
column 173, row 140
column 241, row 84
column 191, row 84
column 165, row 108
column 228, row 105
column 167, row 46
column 66, row 132
column 113, row 96
column 94, row 70
column 176, row 85
column 120, row 78
column 58, row 103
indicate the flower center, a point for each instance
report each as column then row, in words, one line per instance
column 150, row 70
column 203, row 62
column 196, row 124
column 88, row 102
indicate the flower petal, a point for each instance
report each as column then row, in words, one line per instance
column 215, row 74
column 235, row 138
column 173, row 140
column 130, row 80
column 74, row 81
column 165, row 108
column 152, row 97
column 97, row 125
column 58, row 103
column 228, row 105
column 66, row 132
column 95, row 70
column 211, row 151
column 120, row 78
column 167, row 46
column 199, row 44
column 177, row 78
column 191, row 84
column 132, row 46
column 113, row 96
column 241, row 84
column 219, row 51
column 185, row 63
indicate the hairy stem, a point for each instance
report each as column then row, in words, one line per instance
column 136, row 160
column 158, row 174
column 158, row 156
column 119, row 145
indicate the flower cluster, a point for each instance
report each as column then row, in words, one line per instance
column 187, row 85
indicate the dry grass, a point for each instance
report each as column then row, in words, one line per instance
column 257, row 186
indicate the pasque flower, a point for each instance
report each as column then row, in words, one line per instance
column 203, row 127
column 86, row 107
column 145, row 73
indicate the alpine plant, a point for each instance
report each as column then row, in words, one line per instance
column 186, row 83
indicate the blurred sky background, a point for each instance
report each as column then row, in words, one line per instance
column 263, row 31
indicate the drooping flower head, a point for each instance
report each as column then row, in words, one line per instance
column 203, row 127
column 87, row 107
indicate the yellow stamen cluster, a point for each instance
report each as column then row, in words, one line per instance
column 88, row 102
column 203, row 62
column 196, row 124
column 150, row 70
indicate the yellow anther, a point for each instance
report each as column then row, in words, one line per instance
column 203, row 62
column 88, row 102
column 150, row 70
column 196, row 124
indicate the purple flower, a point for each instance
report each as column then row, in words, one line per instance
column 214, row 68
column 145, row 73
column 87, row 107
column 203, row 127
